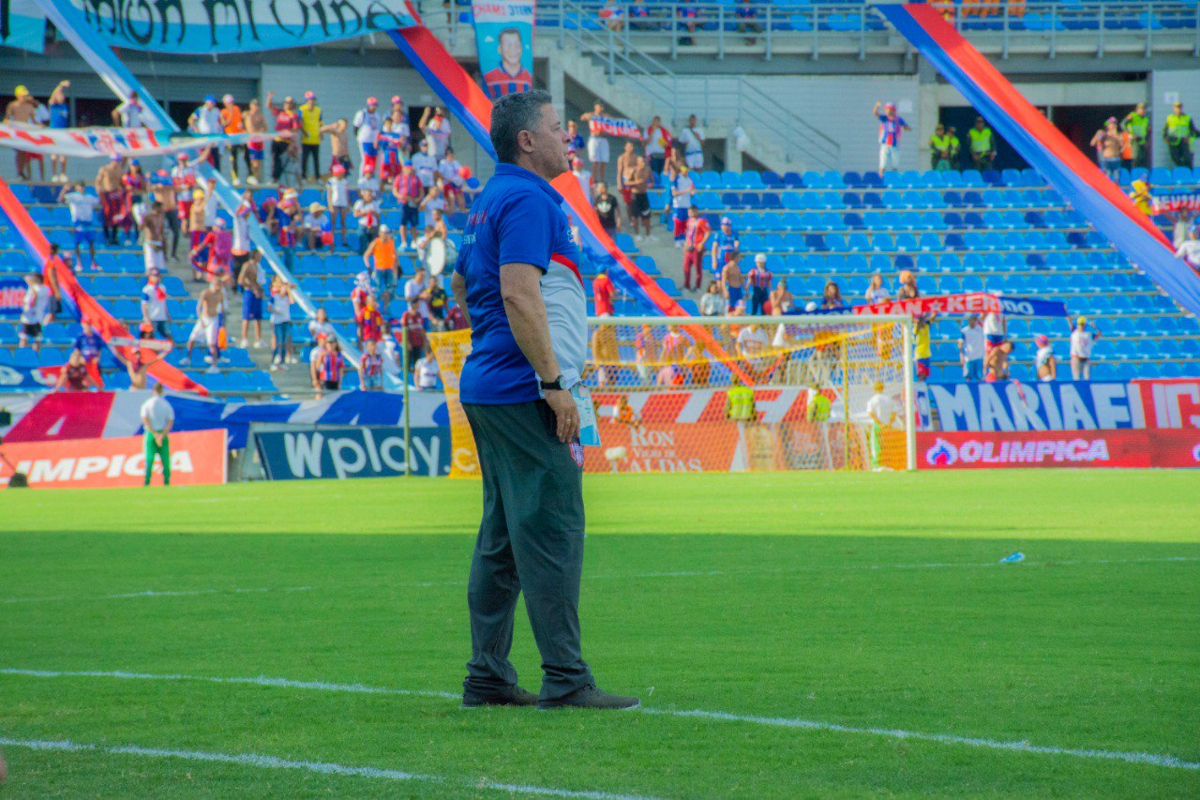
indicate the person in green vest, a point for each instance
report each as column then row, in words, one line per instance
column 1137, row 125
column 983, row 145
column 819, row 406
column 739, row 404
column 1179, row 132
column 955, row 146
column 940, row 154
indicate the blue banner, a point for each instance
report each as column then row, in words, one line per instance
column 21, row 379
column 361, row 452
column 235, row 26
column 1018, row 406
column 12, row 296
column 504, row 39
column 22, row 25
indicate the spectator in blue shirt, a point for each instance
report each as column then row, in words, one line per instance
column 88, row 343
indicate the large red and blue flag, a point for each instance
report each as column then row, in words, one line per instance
column 1062, row 164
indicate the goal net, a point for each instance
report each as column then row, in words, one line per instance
column 732, row 394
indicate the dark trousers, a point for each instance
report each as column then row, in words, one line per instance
column 1181, row 152
column 313, row 152
column 278, row 153
column 758, row 298
column 531, row 540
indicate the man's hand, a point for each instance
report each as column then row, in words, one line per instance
column 567, row 413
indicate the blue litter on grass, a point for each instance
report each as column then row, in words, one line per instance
column 1013, row 558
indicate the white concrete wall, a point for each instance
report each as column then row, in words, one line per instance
column 839, row 107
column 1167, row 86
column 341, row 91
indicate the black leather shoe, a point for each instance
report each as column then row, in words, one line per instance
column 511, row 696
column 590, row 697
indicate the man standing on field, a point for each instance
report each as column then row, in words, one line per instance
column 517, row 279
column 157, row 419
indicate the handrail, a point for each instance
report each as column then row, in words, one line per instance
column 669, row 92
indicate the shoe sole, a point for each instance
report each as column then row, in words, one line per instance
column 541, row 707
column 471, row 706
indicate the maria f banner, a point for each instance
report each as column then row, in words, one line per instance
column 615, row 126
column 107, row 142
column 235, row 26
column 968, row 303
column 504, row 39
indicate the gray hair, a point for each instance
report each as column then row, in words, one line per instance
column 511, row 114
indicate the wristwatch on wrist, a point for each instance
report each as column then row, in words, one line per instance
column 555, row 385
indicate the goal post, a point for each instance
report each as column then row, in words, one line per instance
column 733, row 394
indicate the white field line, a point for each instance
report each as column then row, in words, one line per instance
column 155, row 593
column 647, row 575
column 322, row 767
column 1151, row 759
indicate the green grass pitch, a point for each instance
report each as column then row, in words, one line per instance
column 843, row 635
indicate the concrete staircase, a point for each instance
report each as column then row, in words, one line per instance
column 607, row 66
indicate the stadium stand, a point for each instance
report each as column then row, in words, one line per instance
column 958, row 231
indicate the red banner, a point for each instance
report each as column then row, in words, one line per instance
column 1118, row 448
column 89, row 307
column 664, row 447
column 197, row 458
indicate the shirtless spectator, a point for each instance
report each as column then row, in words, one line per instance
column 339, row 143
column 1108, row 144
column 782, row 300
column 733, row 283
column 250, row 282
column 208, row 315
column 626, row 165
column 153, row 242
column 22, row 110
column 163, row 192
column 137, row 367
column 638, row 183
column 112, row 196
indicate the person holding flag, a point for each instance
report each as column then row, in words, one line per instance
column 658, row 141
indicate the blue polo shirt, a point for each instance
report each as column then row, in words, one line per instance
column 518, row 218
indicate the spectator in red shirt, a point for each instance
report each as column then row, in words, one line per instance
column 287, row 118
column 696, row 236
column 456, row 320
column 330, row 367
column 370, row 322
column 604, row 290
column 413, row 324
column 74, row 376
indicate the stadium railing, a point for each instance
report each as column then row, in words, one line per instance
column 848, row 26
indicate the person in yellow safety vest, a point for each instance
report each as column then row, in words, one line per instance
column 739, row 404
column 310, row 136
column 819, row 406
column 940, row 151
column 1179, row 133
column 1141, row 197
column 1137, row 125
column 955, row 146
column 983, row 145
